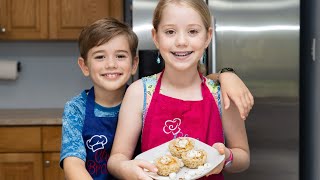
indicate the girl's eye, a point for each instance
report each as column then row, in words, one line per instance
column 193, row 32
column 169, row 32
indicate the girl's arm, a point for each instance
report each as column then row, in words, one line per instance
column 75, row 169
column 232, row 87
column 128, row 131
column 236, row 141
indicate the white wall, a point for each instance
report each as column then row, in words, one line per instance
column 50, row 75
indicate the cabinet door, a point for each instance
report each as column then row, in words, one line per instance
column 52, row 170
column 51, row 138
column 21, row 166
column 23, row 19
column 68, row 17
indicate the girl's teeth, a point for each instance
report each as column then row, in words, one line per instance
column 182, row 54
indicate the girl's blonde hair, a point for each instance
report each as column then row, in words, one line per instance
column 198, row 5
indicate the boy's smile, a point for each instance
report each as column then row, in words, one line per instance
column 112, row 76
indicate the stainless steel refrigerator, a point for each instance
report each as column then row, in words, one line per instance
column 260, row 40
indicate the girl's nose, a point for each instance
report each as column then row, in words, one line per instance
column 181, row 39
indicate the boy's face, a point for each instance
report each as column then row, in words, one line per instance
column 110, row 65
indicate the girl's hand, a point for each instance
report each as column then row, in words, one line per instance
column 134, row 169
column 221, row 148
column 232, row 87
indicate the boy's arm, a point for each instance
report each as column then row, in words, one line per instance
column 73, row 153
column 75, row 169
column 232, row 87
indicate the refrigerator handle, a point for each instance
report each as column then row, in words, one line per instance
column 212, row 49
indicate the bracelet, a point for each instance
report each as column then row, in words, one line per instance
column 227, row 70
column 228, row 162
column 224, row 70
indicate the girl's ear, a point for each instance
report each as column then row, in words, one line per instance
column 209, row 36
column 154, row 37
column 84, row 68
column 135, row 63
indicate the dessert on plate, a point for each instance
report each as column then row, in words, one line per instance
column 194, row 158
column 179, row 145
column 167, row 164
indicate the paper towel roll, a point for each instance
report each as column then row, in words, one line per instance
column 9, row 70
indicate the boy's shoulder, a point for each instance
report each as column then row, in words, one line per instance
column 78, row 101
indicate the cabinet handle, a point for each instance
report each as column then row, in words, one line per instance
column 47, row 163
column 2, row 29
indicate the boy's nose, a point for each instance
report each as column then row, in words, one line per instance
column 111, row 63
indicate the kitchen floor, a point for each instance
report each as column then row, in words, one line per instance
column 273, row 132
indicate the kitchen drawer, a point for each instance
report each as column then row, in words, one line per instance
column 20, row 139
column 51, row 138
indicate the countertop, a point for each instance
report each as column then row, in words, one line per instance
column 30, row 117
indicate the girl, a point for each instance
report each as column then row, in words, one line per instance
column 179, row 95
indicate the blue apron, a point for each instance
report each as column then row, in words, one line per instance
column 98, row 134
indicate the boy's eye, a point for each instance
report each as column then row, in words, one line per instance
column 120, row 56
column 99, row 57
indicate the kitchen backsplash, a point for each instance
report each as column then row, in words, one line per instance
column 50, row 75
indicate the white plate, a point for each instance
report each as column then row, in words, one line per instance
column 213, row 157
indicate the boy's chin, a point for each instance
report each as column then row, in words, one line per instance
column 114, row 87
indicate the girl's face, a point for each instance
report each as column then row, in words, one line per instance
column 181, row 37
column 110, row 65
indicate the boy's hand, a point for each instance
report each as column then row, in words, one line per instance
column 232, row 87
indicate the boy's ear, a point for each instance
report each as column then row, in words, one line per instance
column 154, row 37
column 84, row 68
column 135, row 64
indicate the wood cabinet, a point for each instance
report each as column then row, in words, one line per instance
column 30, row 153
column 23, row 19
column 52, row 170
column 52, row 19
column 21, row 166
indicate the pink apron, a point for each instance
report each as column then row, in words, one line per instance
column 168, row 118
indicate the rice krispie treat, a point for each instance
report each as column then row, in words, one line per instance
column 167, row 164
column 180, row 145
column 194, row 158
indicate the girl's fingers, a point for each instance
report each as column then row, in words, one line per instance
column 219, row 147
column 147, row 165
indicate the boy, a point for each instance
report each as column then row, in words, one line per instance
column 108, row 57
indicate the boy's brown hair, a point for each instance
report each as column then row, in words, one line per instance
column 102, row 31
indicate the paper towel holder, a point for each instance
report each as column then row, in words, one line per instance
column 19, row 66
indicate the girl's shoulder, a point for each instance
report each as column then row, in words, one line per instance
column 149, row 83
column 213, row 86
